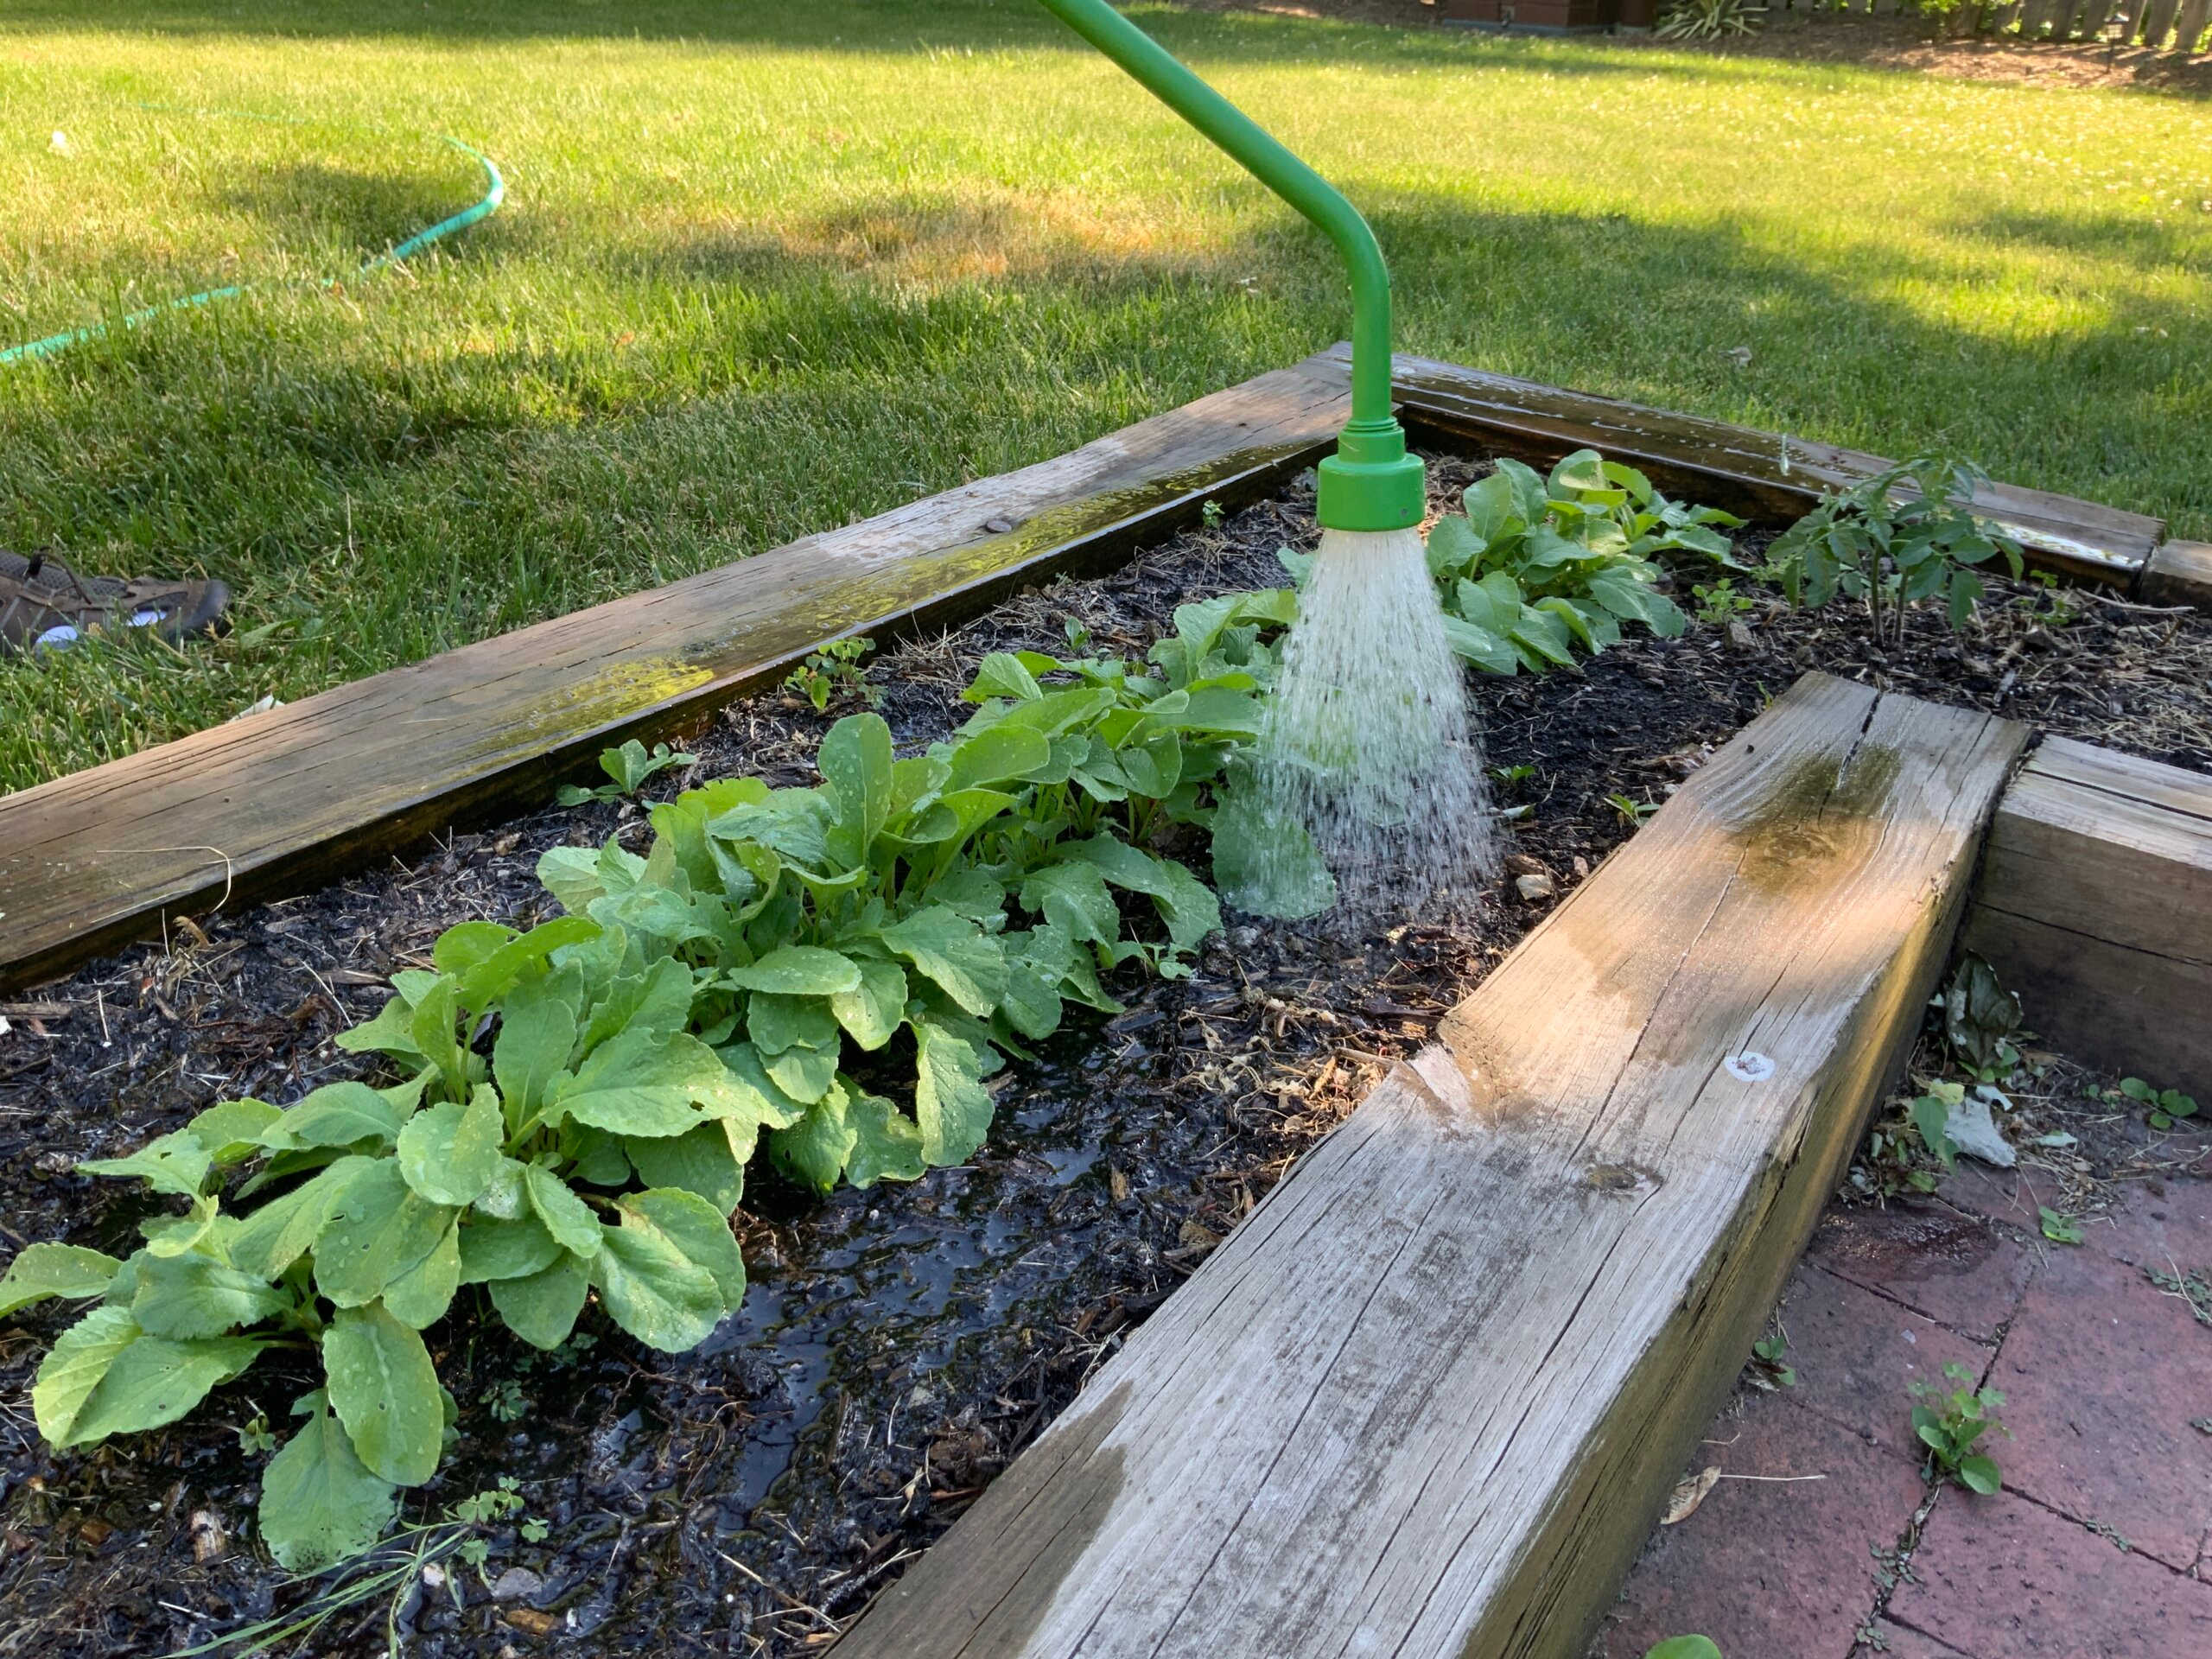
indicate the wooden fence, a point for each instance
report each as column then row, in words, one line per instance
column 2162, row 25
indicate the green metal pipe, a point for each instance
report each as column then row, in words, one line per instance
column 1370, row 483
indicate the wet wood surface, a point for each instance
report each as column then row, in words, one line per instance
column 1744, row 470
column 281, row 802
column 2095, row 908
column 1430, row 1398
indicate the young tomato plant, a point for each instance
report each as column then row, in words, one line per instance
column 1951, row 1424
column 1889, row 550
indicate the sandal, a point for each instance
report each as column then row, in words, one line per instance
column 46, row 605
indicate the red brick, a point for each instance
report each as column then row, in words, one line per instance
column 1951, row 1266
column 1999, row 1578
column 2101, row 1374
column 1857, row 1355
column 2007, row 1195
column 1769, row 1568
column 1898, row 1642
column 2162, row 1224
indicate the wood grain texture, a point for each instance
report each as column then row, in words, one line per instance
column 283, row 801
column 1427, row 1398
column 2179, row 573
column 2096, row 908
column 1741, row 469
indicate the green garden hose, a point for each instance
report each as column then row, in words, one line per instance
column 494, row 192
column 1370, row 483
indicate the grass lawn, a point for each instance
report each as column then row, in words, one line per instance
column 766, row 268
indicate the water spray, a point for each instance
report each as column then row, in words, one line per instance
column 1368, row 743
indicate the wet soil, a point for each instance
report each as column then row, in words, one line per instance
column 897, row 1346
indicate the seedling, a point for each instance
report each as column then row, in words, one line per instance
column 1684, row 1647
column 2167, row 1106
column 834, row 672
column 1718, row 602
column 2059, row 1228
column 1979, row 1019
column 1630, row 812
column 632, row 766
column 1949, row 1424
column 1211, row 515
column 1511, row 775
column 1766, row 1361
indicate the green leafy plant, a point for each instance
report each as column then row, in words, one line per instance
column 1980, row 1019
column 834, row 671
column 1909, row 1151
column 1631, row 811
column 1950, row 1424
column 2166, row 1107
column 1718, row 602
column 1684, row 1647
column 2057, row 1228
column 1709, row 20
column 831, row 972
column 1767, row 1360
column 1535, row 569
column 631, row 767
column 1905, row 535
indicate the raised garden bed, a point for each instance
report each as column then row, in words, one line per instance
column 900, row 1344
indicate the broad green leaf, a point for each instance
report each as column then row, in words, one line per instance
column 284, row 1228
column 378, row 1229
column 699, row 1231
column 197, row 1227
column 1186, row 904
column 492, row 1249
column 814, row 1149
column 996, row 755
column 432, row 1028
column 1490, row 508
column 1981, row 1474
column 421, row 1295
column 1543, row 637
column 320, row 1505
column 1473, row 644
column 571, row 875
column 192, row 1295
column 1265, row 862
column 964, row 961
column 567, row 1216
column 803, row 1073
column 153, row 1382
column 1453, row 546
column 1684, row 1647
column 855, row 761
column 792, row 822
column 448, row 1153
column 652, row 1289
column 597, row 1156
column 541, row 1307
column 975, row 893
column 231, row 1131
column 390, row 1033
column 1583, row 470
column 1001, row 674
column 886, row 1143
column 384, row 1390
column 175, row 1163
column 950, row 1103
column 497, row 973
column 701, row 1161
column 74, row 1367
column 659, row 999
column 1152, row 763
column 871, row 1011
column 538, row 1033
column 467, row 944
column 1031, row 1004
column 799, row 970
column 504, row 1199
column 757, row 1100
column 48, row 1269
column 641, row 1083
column 336, row 1114
column 1072, row 897
column 775, row 1023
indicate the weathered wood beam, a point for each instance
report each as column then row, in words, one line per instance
column 2179, row 573
column 1737, row 468
column 2095, row 908
column 1428, row 1398
column 284, row 801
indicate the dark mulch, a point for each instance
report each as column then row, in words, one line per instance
column 898, row 1345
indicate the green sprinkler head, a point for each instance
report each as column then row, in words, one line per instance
column 1370, row 483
